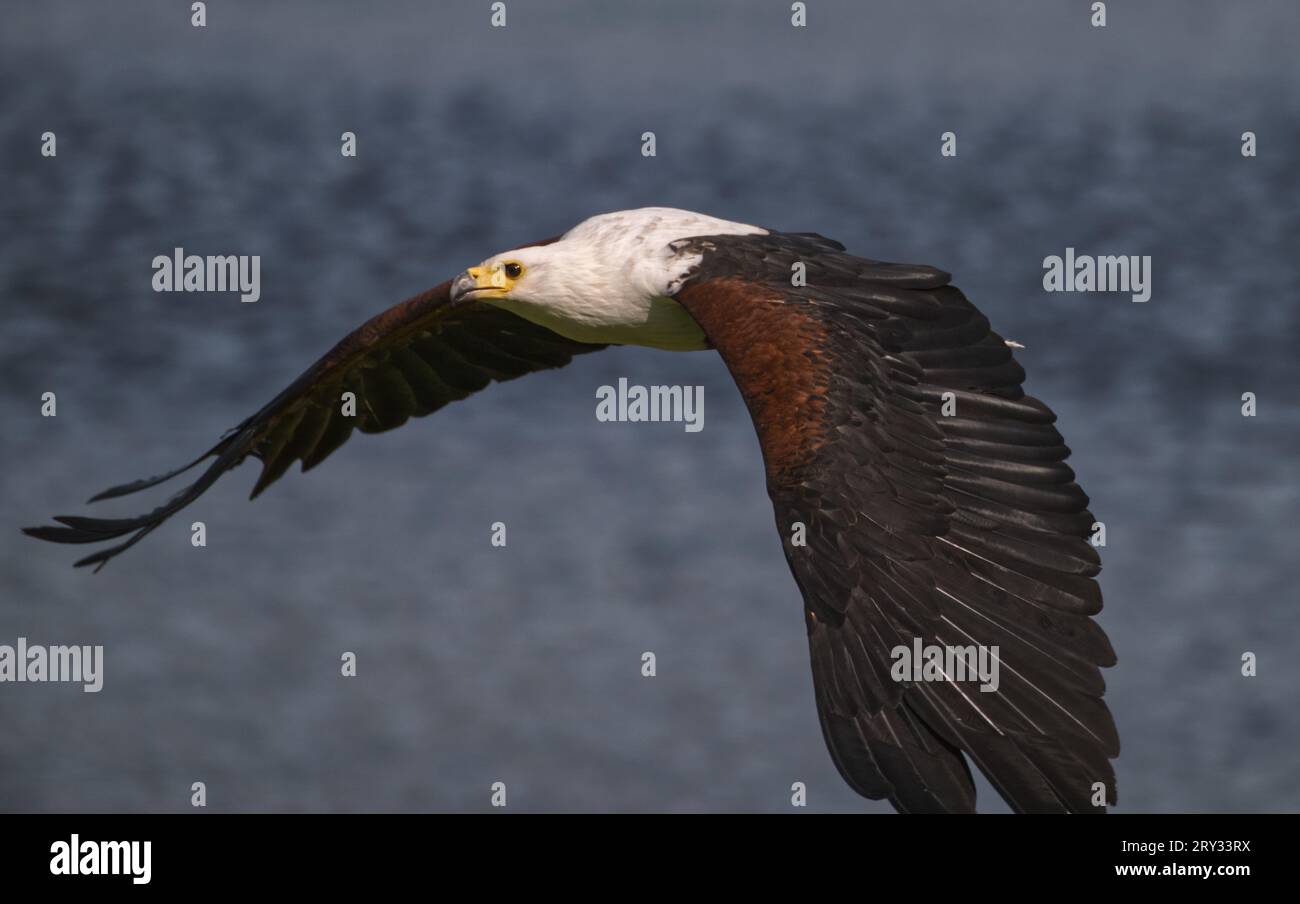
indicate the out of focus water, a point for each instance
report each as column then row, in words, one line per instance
column 522, row 664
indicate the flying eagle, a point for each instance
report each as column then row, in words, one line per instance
column 923, row 500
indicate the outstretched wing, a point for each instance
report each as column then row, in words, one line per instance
column 963, row 531
column 408, row 361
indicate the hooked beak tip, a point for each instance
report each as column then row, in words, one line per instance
column 462, row 286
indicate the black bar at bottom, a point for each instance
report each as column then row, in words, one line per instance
column 332, row 853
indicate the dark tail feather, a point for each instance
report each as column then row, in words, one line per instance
column 892, row 755
column 135, row 486
column 100, row 559
column 1033, row 773
column 230, row 452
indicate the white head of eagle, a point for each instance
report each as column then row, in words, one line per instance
column 607, row 280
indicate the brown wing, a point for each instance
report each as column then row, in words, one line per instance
column 962, row 531
column 408, row 361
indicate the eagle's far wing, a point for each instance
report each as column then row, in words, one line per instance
column 961, row 531
column 407, row 361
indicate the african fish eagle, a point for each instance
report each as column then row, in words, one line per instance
column 953, row 528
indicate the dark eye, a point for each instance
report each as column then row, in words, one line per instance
column 513, row 270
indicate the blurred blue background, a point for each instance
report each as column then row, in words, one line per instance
column 522, row 664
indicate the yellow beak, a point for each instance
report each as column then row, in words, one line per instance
column 474, row 283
